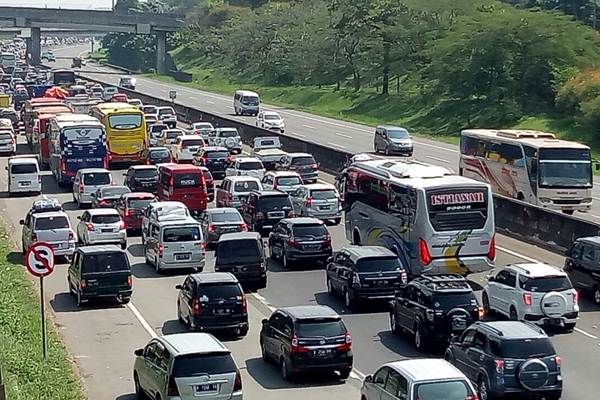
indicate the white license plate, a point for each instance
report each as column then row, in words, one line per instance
column 222, row 311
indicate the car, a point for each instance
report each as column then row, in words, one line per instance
column 136, row 102
column 433, row 307
column 108, row 92
column 100, row 272
column 217, row 221
column 418, row 379
column 149, row 109
column 228, row 138
column 392, row 140
column 168, row 137
column 210, row 183
column 127, row 82
column 24, row 175
column 203, row 129
column 186, row 146
column 215, row 158
column 233, row 190
column 142, row 178
column 107, row 197
column 96, row 92
column 307, row 338
column 508, row 359
column 300, row 239
column 302, row 163
column 156, row 155
column 246, row 166
column 101, row 226
column 51, row 227
column 186, row 366
column 162, row 210
column 151, row 119
column 268, row 150
column 155, row 132
column 87, row 181
column 270, row 120
column 167, row 115
column 263, row 209
column 582, row 265
column 243, row 255
column 213, row 301
column 318, row 200
column 131, row 207
column 8, row 141
column 285, row 181
column 534, row 292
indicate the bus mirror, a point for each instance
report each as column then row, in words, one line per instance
column 597, row 166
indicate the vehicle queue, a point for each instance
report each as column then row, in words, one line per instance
column 442, row 229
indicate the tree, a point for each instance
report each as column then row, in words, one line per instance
column 126, row 5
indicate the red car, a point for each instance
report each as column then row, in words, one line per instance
column 131, row 206
column 119, row 98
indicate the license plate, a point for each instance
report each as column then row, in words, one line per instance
column 185, row 256
column 109, row 230
column 222, row 311
column 322, row 352
column 210, row 387
column 313, row 247
column 24, row 183
column 323, row 207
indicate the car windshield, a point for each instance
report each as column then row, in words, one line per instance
column 447, row 390
column 109, row 262
column 173, row 211
column 272, row 117
column 160, row 153
column 318, row 327
column 303, row 161
column 148, row 109
column 51, row 223
column 398, row 134
column 192, row 142
column 217, row 154
column 327, row 194
column 188, row 180
column 125, row 121
column 146, row 173
column 289, row 181
column 522, row 348
column 99, row 178
column 138, row 204
column 224, row 290
column 181, row 234
column 245, row 186
column 250, row 100
column 226, row 217
column 106, row 219
column 239, row 250
column 202, row 126
column 227, row 134
column 274, row 203
column 250, row 165
column 451, row 300
column 190, row 365
column 546, row 284
column 378, row 264
column 166, row 111
column 309, row 231
column 267, row 143
column 157, row 128
column 114, row 191
column 24, row 169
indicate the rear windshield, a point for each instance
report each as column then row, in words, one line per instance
column 50, row 223
column 105, row 219
column 125, row 121
column 146, row 173
column 109, row 262
column 250, row 165
column 166, row 111
column 181, row 234
column 320, row 327
column 186, row 180
column 163, row 153
column 303, row 161
column 24, row 169
column 157, row 128
column 102, row 178
column 199, row 364
column 115, row 191
column 139, row 203
column 192, row 142
column 243, row 249
column 226, row 217
column 328, row 194
column 310, row 231
column 451, row 300
column 220, row 291
column 545, row 284
column 5, row 136
column 289, row 181
column 274, row 202
column 378, row 264
column 173, row 134
column 523, row 348
column 217, row 154
column 448, row 390
column 228, row 134
column 245, row 186
column 265, row 143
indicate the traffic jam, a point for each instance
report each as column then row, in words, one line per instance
column 225, row 216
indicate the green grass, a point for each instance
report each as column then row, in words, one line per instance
column 98, row 55
column 26, row 375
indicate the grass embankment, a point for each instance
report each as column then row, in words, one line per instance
column 98, row 55
column 26, row 375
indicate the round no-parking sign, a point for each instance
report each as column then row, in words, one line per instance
column 39, row 259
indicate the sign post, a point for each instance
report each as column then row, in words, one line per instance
column 39, row 260
column 173, row 96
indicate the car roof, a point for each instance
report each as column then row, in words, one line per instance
column 590, row 239
column 190, row 137
column 358, row 252
column 310, row 311
column 270, row 193
column 248, row 159
column 137, row 195
column 303, row 221
column 50, row 214
column 168, row 204
column 93, row 170
column 389, row 127
column 426, row 369
column 154, row 148
column 282, row 173
column 23, row 160
column 271, row 113
column 103, row 188
column 242, row 178
column 137, row 167
column 293, row 155
column 193, row 343
column 180, row 220
column 513, row 329
column 319, row 186
column 103, row 211
column 536, row 270
column 214, row 148
column 214, row 277
column 221, row 210
column 246, row 92
column 104, row 248
column 239, row 236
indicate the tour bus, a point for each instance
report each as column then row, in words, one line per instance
column 125, row 130
column 8, row 61
column 434, row 220
column 530, row 166
column 76, row 141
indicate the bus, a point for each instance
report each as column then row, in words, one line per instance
column 434, row 220
column 8, row 62
column 530, row 166
column 75, row 141
column 61, row 77
column 125, row 130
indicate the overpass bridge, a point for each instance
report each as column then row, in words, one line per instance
column 34, row 19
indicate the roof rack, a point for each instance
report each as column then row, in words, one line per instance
column 444, row 282
column 493, row 329
column 46, row 204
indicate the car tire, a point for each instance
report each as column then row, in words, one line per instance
column 124, row 246
column 418, row 338
column 125, row 299
column 375, row 148
column 285, row 261
column 263, row 352
column 553, row 395
column 179, row 317
column 387, row 150
column 337, row 220
column 345, row 374
column 139, row 392
column 512, row 314
column 78, row 299
column 597, row 295
column 483, row 389
column 486, row 304
column 394, row 324
column 570, row 326
column 286, row 372
column 330, row 289
column 348, row 301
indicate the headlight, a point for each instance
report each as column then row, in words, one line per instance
column 545, row 200
column 587, row 200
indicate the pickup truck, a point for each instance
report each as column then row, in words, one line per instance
column 268, row 150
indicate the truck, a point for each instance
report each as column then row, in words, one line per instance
column 268, row 150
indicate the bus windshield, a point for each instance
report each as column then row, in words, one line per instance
column 564, row 167
column 125, row 121
column 82, row 135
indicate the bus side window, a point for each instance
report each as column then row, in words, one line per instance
column 401, row 202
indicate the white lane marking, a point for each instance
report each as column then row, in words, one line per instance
column 595, row 198
column 193, row 98
column 586, row 334
column 439, row 159
column 356, row 374
column 230, row 107
column 595, row 216
column 336, row 145
column 344, row 136
column 297, row 134
column 140, row 318
column 309, row 126
column 210, row 102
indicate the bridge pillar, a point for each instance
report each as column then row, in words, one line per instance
column 36, row 46
column 161, row 52
column 28, row 49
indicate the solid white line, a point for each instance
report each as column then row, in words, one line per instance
column 514, row 253
column 336, row 145
column 210, row 102
column 344, row 136
column 140, row 318
column 595, row 216
column 309, row 126
column 439, row 159
column 595, row 198
column 193, row 98
column 230, row 107
column 586, row 334
column 357, row 374
column 297, row 134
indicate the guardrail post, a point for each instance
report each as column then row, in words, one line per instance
column 2, row 390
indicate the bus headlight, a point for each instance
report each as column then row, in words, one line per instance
column 545, row 200
column 587, row 200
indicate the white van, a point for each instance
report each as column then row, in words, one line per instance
column 24, row 175
column 246, row 102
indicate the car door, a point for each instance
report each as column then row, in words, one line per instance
column 204, row 222
column 573, row 264
column 374, row 390
column 274, row 235
column 145, row 372
column 510, row 295
column 81, row 224
column 496, row 290
column 337, row 274
column 152, row 241
column 161, row 368
column 406, row 307
column 331, row 269
column 588, row 264
column 395, row 388
column 76, row 187
column 74, row 271
column 269, row 338
column 475, row 355
column 185, row 298
column 459, row 351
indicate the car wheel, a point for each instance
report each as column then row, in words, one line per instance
column 597, row 295
column 482, row 389
column 330, row 290
column 125, row 299
column 387, row 150
column 286, row 262
column 513, row 314
column 486, row 304
column 272, row 253
column 179, row 317
column 263, row 352
column 394, row 324
column 157, row 267
column 375, row 148
column 553, row 395
column 570, row 326
column 286, row 373
column 345, row 374
column 139, row 392
column 124, row 246
column 78, row 299
column 449, row 357
column 418, row 338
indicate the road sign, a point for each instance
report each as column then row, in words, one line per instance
column 172, row 94
column 39, row 259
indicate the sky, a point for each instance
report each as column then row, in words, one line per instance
column 79, row 4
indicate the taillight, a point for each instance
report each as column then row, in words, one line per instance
column 291, row 214
column 34, row 237
column 196, row 307
column 527, row 299
column 90, row 227
column 63, row 167
column 161, row 250
column 296, row 348
column 575, row 297
column 472, row 397
column 104, row 202
column 558, row 361
column 172, row 389
column 129, row 281
column 121, row 225
column 212, row 228
column 327, row 241
column 71, row 235
column 244, row 304
column 81, row 188
column 237, row 385
column 292, row 242
column 492, row 252
column 82, row 284
column 347, row 346
column 309, row 201
column 480, row 312
column 424, row 252
column 260, row 215
column 499, row 366
column 244, row 227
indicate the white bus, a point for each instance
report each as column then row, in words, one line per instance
column 434, row 220
column 530, row 166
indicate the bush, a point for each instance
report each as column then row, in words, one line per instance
column 582, row 88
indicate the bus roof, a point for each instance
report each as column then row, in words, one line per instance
column 116, row 106
column 76, row 119
column 536, row 139
column 53, row 109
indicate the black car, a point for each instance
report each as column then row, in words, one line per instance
column 156, row 155
column 218, row 221
column 300, row 239
column 100, row 272
column 108, row 196
column 582, row 265
column 305, row 339
column 265, row 208
column 434, row 307
column 243, row 255
column 508, row 359
column 213, row 301
column 142, row 178
column 364, row 272
column 302, row 163
column 216, row 159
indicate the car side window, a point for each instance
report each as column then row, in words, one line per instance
column 287, row 327
column 340, row 258
column 162, row 357
column 276, row 322
column 576, row 251
column 588, row 253
column 381, row 376
column 468, row 336
column 396, row 385
column 150, row 352
column 479, row 340
column 511, row 279
column 501, row 277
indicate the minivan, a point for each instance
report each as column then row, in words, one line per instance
column 184, row 183
column 88, row 181
column 233, row 190
column 392, row 140
column 246, row 102
column 582, row 265
column 24, row 175
column 243, row 255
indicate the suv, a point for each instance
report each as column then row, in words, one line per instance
column 318, row 200
column 186, row 366
column 286, row 181
column 392, row 140
column 582, row 265
column 228, row 138
column 307, row 338
column 217, row 221
column 508, row 358
column 142, row 178
column 52, row 227
column 426, row 379
column 364, row 272
column 213, row 301
column 434, row 307
column 215, row 158
column 302, row 163
column 233, row 190
column 246, row 166
column 243, row 255
column 263, row 209
column 533, row 292
column 88, row 181
column 294, row 239
column 167, row 115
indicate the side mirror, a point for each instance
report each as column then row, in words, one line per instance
column 139, row 352
column 369, row 379
column 79, row 217
column 329, row 260
column 22, row 222
column 125, row 174
column 454, row 339
column 264, row 321
column 490, row 278
column 178, row 287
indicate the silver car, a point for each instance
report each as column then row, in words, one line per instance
column 186, row 366
column 88, row 181
column 103, row 225
column 162, row 210
column 317, row 200
column 51, row 227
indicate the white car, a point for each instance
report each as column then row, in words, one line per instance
column 186, row 146
column 101, row 226
column 270, row 120
column 533, row 292
column 162, row 209
column 24, row 175
column 246, row 166
column 203, row 129
column 286, row 181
